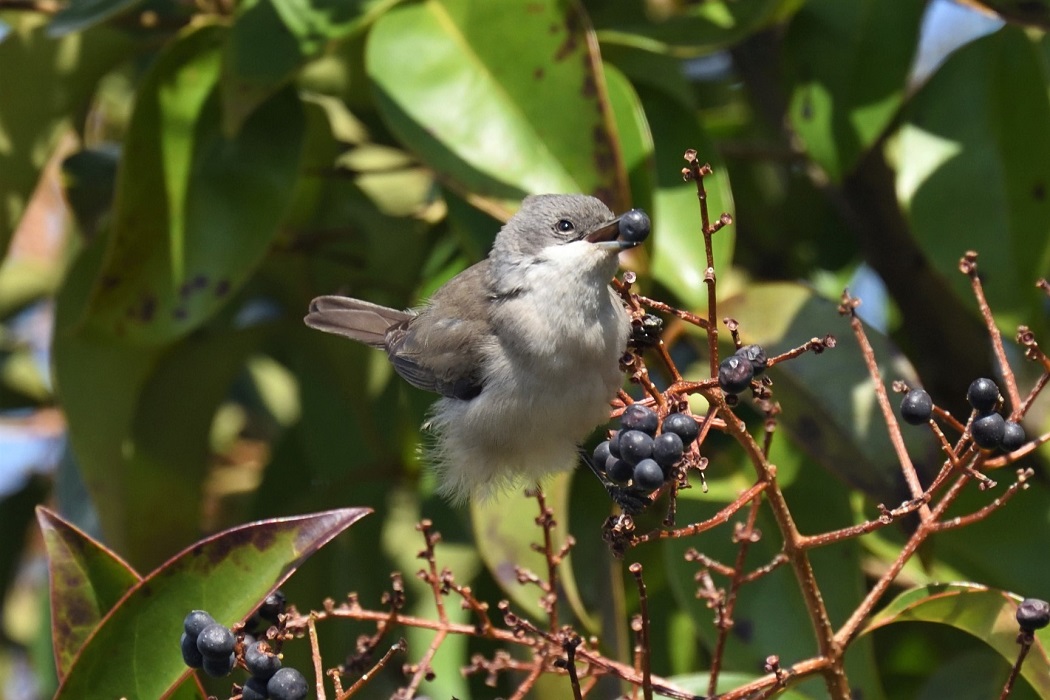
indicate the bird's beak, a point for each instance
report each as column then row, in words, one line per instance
column 606, row 235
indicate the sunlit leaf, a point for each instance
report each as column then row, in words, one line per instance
column 506, row 532
column 985, row 613
column 971, row 171
column 685, row 28
column 509, row 101
column 679, row 258
column 270, row 40
column 134, row 652
column 32, row 119
column 841, row 99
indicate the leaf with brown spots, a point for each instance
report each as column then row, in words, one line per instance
column 510, row 99
column 134, row 650
column 87, row 580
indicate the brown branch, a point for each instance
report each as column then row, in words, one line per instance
column 968, row 266
column 911, row 477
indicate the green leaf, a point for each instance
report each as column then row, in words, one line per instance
column 270, row 40
column 679, row 258
column 985, row 613
column 510, row 100
column 971, row 171
column 685, row 29
column 829, row 401
column 87, row 580
column 134, row 651
column 78, row 15
column 506, row 531
column 33, row 119
column 841, row 99
column 195, row 211
column 150, row 446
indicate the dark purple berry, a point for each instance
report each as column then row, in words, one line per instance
column 272, row 606
column 191, row 655
column 734, row 374
column 635, row 446
column 196, row 621
column 683, row 426
column 634, row 226
column 601, row 454
column 217, row 667
column 983, row 395
column 618, row 470
column 668, row 449
column 648, row 476
column 614, row 444
column 216, row 641
column 287, row 684
column 916, row 407
column 1033, row 614
column 261, row 664
column 988, row 430
column 638, row 417
column 1013, row 436
column 756, row 356
column 255, row 689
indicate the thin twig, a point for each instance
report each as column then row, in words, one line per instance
column 968, row 266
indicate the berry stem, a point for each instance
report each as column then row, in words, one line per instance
column 968, row 266
column 849, row 307
column 315, row 654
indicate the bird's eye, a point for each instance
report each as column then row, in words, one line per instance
column 565, row 226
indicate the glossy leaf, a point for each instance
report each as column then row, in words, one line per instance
column 87, row 580
column 509, row 101
column 685, row 28
column 842, row 98
column 679, row 258
column 33, row 119
column 195, row 211
column 829, row 401
column 971, row 172
column 506, row 531
column 985, row 613
column 134, row 651
column 270, row 40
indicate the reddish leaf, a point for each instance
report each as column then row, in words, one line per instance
column 134, row 651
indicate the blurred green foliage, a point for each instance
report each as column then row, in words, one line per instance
column 224, row 162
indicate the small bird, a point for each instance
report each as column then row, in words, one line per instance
column 523, row 347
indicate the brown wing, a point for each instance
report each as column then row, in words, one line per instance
column 442, row 348
column 439, row 348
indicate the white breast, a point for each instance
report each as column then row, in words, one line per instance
column 550, row 376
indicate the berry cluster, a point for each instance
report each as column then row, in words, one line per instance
column 212, row 647
column 989, row 429
column 643, row 452
column 736, row 371
column 207, row 644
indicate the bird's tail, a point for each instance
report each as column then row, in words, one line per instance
column 358, row 320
